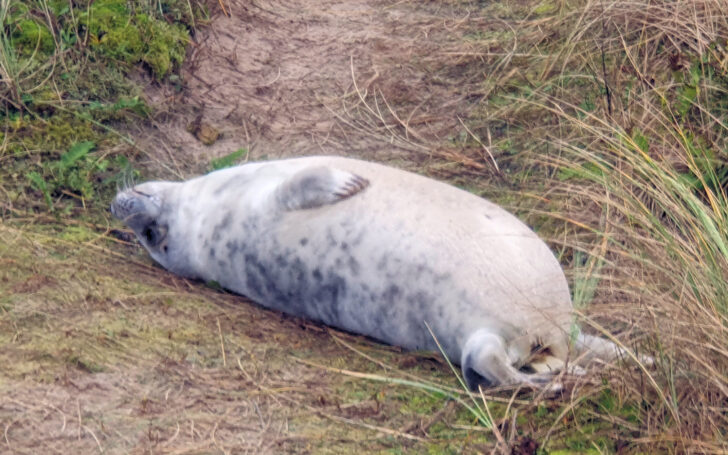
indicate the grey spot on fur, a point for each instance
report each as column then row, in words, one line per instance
column 281, row 261
column 256, row 277
column 232, row 247
column 328, row 296
column 222, row 227
column 391, row 295
column 331, row 239
column 354, row 265
column 382, row 263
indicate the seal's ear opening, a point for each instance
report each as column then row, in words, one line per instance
column 153, row 234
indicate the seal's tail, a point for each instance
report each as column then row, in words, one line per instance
column 485, row 362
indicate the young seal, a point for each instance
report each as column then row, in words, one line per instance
column 373, row 250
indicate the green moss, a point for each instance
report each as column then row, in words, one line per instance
column 419, row 401
column 78, row 234
column 60, row 132
column 62, row 94
column 130, row 37
column 60, row 158
column 29, row 36
column 165, row 45
column 546, row 7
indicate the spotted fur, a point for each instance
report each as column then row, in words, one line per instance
column 369, row 249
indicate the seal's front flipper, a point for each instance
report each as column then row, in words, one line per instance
column 485, row 363
column 317, row 186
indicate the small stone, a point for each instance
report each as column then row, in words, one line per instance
column 203, row 131
column 207, row 134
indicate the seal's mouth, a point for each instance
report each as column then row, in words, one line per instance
column 114, row 211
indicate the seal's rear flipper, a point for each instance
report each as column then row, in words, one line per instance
column 485, row 363
column 588, row 348
column 317, row 186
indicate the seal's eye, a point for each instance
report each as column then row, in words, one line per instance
column 154, row 234
column 150, row 234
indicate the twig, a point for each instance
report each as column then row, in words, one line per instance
column 384, row 430
column 7, row 440
column 80, row 425
column 101, row 449
column 222, row 343
column 502, row 446
column 607, row 91
column 222, row 5
column 477, row 139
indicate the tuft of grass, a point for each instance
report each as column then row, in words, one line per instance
column 622, row 107
column 231, row 159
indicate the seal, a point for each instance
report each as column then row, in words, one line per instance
column 372, row 250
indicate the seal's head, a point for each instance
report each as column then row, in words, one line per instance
column 145, row 209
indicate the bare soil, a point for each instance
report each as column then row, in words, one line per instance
column 373, row 79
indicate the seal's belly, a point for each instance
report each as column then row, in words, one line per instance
column 385, row 277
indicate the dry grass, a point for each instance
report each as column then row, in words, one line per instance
column 621, row 115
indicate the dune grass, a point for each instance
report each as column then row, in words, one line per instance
column 614, row 119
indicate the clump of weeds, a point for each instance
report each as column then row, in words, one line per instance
column 66, row 91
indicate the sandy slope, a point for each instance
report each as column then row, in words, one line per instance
column 281, row 78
